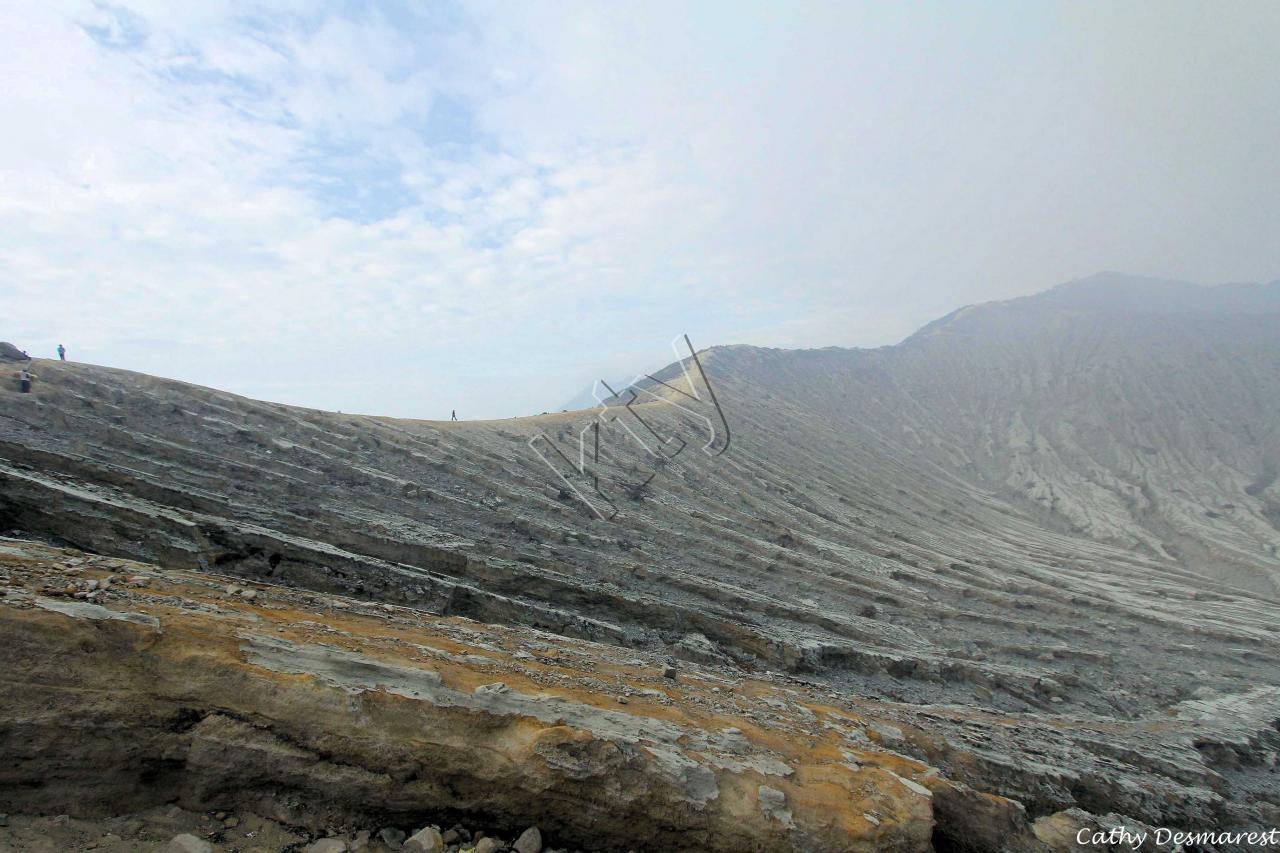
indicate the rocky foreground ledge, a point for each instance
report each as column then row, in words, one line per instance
column 129, row 687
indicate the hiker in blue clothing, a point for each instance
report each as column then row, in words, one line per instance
column 62, row 352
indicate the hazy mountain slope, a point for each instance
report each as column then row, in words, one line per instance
column 1099, row 408
column 586, row 398
column 1150, row 430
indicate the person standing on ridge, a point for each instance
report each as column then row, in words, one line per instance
column 455, row 414
column 24, row 380
column 62, row 352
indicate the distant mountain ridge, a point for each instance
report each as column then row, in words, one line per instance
column 1121, row 293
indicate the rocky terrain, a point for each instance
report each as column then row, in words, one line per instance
column 1015, row 575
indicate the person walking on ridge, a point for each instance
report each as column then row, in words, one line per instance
column 455, row 414
column 62, row 352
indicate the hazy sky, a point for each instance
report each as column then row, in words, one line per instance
column 410, row 208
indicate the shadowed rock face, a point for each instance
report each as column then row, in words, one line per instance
column 1036, row 528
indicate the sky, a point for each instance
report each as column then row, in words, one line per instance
column 412, row 208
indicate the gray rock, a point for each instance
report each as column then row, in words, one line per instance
column 392, row 837
column 697, row 648
column 530, row 841
column 188, row 843
column 327, row 845
column 774, row 804
column 488, row 845
column 428, row 840
column 1048, row 687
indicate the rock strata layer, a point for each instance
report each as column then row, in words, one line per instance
column 319, row 710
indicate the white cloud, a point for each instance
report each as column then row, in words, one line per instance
column 478, row 207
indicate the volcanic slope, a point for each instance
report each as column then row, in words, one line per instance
column 1062, row 507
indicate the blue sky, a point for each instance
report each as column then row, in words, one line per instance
column 411, row 208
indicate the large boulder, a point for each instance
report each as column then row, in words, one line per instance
column 428, row 840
